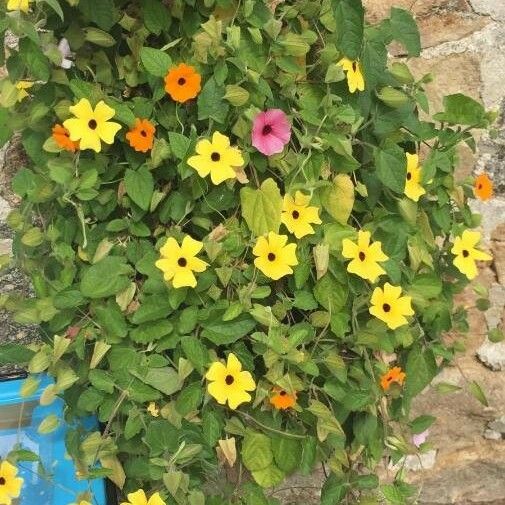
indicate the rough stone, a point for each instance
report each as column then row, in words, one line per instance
column 492, row 435
column 498, row 249
column 5, row 246
column 4, row 209
column 418, row 463
column 493, row 8
column 457, row 73
column 492, row 355
column 439, row 21
column 498, row 425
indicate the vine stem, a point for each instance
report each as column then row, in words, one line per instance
column 273, row 430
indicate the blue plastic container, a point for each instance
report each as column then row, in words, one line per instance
column 19, row 420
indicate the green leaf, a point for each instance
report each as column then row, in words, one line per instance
column 101, row 380
column 102, row 12
column 140, row 186
column 287, row 453
column 333, row 490
column 350, row 19
column 495, row 335
column 111, row 319
column 212, row 426
column 330, row 293
column 421, row 368
column 54, row 4
column 179, row 144
column 256, row 451
column 338, row 198
column 189, row 399
column 161, row 436
column 309, row 453
column 262, row 208
column 37, row 63
column 211, row 104
column 405, row 31
column 268, row 477
column 422, row 423
column 149, row 332
column 156, row 16
column 461, row 109
column 196, row 352
column 15, row 354
column 156, row 62
column 164, row 379
column 105, row 278
column 226, row 332
column 477, row 392
column 152, row 308
column 391, row 165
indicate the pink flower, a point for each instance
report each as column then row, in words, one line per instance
column 271, row 131
column 420, row 438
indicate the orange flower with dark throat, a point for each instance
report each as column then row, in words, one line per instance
column 392, row 375
column 62, row 138
column 141, row 136
column 483, row 187
column 281, row 399
column 183, row 83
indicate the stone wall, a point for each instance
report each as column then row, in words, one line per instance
column 464, row 48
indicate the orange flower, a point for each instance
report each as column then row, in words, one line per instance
column 483, row 187
column 282, row 400
column 62, row 137
column 141, row 136
column 183, row 83
column 393, row 375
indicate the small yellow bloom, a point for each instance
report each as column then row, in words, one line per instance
column 216, row 158
column 178, row 262
column 10, row 485
column 18, row 5
column 22, row 86
column 82, row 502
column 90, row 126
column 466, row 253
column 228, row 383
column 355, row 79
column 365, row 256
column 413, row 188
column 390, row 307
column 153, row 409
column 274, row 257
column 139, row 498
column 298, row 216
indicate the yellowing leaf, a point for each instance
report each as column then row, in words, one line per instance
column 338, row 199
column 262, row 207
column 227, row 451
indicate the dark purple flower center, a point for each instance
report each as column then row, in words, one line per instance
column 271, row 257
column 283, row 393
column 2, row 481
column 92, row 124
column 143, row 133
column 362, row 256
column 182, row 262
column 267, row 129
column 354, row 66
column 215, row 157
column 386, row 307
column 465, row 253
column 229, row 380
column 181, row 81
column 295, row 214
column 409, row 176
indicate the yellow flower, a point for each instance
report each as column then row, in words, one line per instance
column 18, row 5
column 413, row 188
column 216, row 158
column 298, row 216
column 355, row 79
column 140, row 498
column 178, row 262
column 390, row 307
column 91, row 126
column 153, row 409
column 10, row 485
column 22, row 86
column 228, row 383
column 466, row 253
column 274, row 257
column 365, row 256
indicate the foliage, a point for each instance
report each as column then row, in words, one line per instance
column 124, row 343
